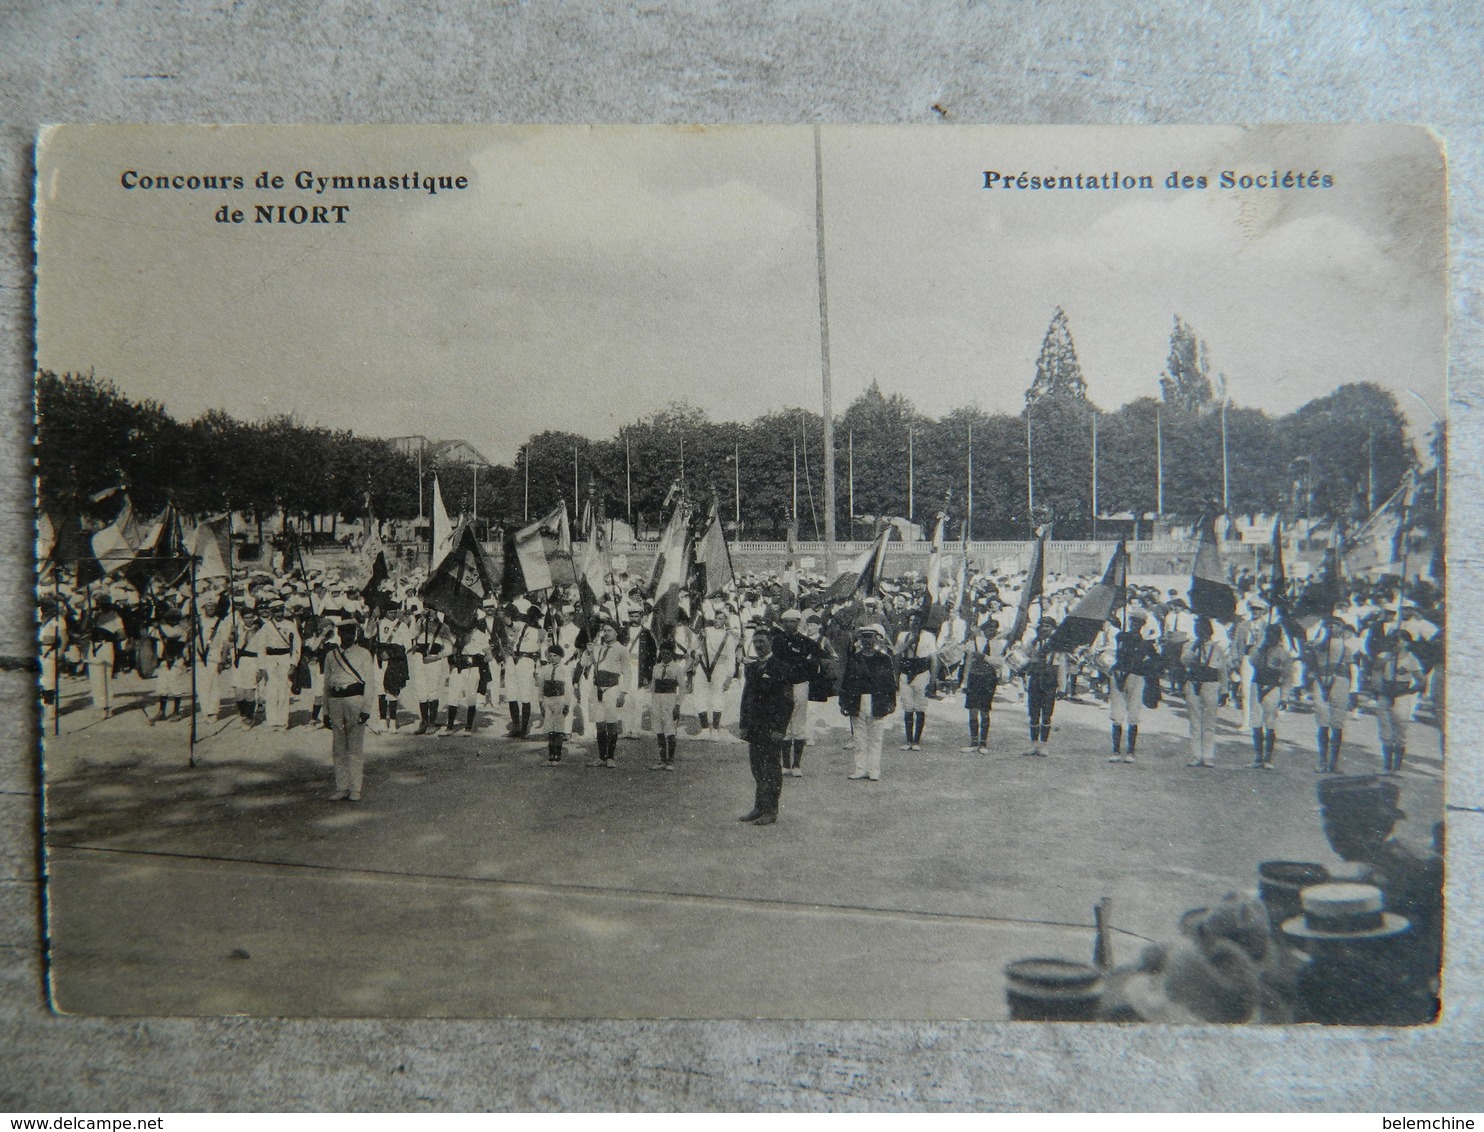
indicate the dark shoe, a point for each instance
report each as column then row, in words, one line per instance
column 766, row 819
column 751, row 815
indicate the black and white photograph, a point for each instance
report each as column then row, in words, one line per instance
column 783, row 572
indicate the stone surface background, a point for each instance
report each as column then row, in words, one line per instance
column 1154, row 62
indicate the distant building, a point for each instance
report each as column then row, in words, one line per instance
column 436, row 453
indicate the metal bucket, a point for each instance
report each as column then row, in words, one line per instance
column 1053, row 990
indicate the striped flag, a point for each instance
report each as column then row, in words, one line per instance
column 543, row 551
column 1035, row 584
column 713, row 558
column 1210, row 593
column 1098, row 606
column 671, row 568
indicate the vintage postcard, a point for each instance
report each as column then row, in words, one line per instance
column 746, row 572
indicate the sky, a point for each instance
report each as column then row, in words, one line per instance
column 589, row 276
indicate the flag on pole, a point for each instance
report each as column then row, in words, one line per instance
column 935, row 560
column 1035, row 583
column 592, row 567
column 791, row 566
column 458, row 585
column 164, row 557
column 543, row 552
column 671, row 568
column 1278, row 581
column 374, row 593
column 116, row 544
column 209, row 548
column 860, row 577
column 1210, row 593
column 1377, row 545
column 70, row 549
column 961, row 585
column 713, row 558
column 1099, row 605
column 443, row 531
column 1321, row 595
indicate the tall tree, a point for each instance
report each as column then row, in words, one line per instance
column 1058, row 372
column 1186, row 380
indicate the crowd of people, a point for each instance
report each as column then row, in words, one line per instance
column 252, row 647
column 770, row 663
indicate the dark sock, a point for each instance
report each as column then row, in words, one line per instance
column 1035, row 732
column 716, row 721
column 701, row 716
column 907, row 725
column 1323, row 744
column 469, row 726
column 1045, row 732
column 1257, row 742
column 1335, row 737
column 973, row 729
column 1272, row 741
column 1398, row 754
column 1133, row 737
column 917, row 727
column 669, row 748
column 525, row 719
column 380, row 707
column 1117, row 738
column 514, row 713
column 453, row 714
column 392, row 707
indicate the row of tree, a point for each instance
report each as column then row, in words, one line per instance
column 1337, row 456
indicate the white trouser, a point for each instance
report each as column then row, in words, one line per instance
column 1200, row 708
column 869, row 733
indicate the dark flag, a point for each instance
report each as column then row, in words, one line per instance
column 1211, row 595
column 71, row 549
column 861, row 577
column 1098, row 606
column 1278, row 583
column 1035, row 584
column 1322, row 595
column 165, row 559
column 372, row 593
column 461, row 583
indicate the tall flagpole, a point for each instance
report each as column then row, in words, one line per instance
column 795, row 511
column 824, row 363
column 628, row 479
column 970, row 504
column 850, row 466
column 1094, row 475
column 194, row 656
column 1226, row 501
column 1030, row 474
column 910, row 500
column 59, row 650
column 1159, row 457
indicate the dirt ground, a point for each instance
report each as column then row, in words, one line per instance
column 473, row 880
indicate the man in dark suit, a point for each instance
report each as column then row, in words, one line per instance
column 767, row 704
